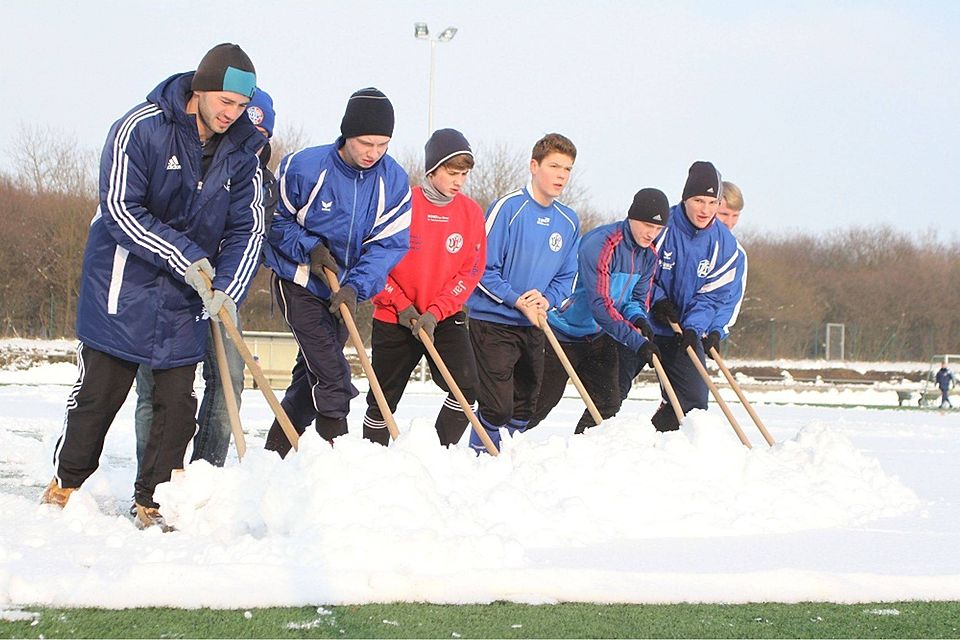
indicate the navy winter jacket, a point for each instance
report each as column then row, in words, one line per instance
column 156, row 216
column 698, row 272
column 613, row 287
column 362, row 216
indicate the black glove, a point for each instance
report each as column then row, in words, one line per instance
column 665, row 312
column 321, row 257
column 346, row 295
column 427, row 322
column 711, row 341
column 645, row 329
column 407, row 317
column 689, row 339
column 647, row 351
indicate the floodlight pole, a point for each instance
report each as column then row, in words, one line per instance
column 422, row 32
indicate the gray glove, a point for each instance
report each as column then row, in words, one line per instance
column 321, row 257
column 193, row 278
column 347, row 295
column 219, row 300
column 407, row 317
column 427, row 322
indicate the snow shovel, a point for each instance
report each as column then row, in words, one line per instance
column 713, row 389
column 671, row 394
column 591, row 407
column 364, row 360
column 458, row 394
column 743, row 399
column 226, row 386
column 262, row 382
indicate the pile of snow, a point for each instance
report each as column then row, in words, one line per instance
column 358, row 522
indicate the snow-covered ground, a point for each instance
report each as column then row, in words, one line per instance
column 852, row 504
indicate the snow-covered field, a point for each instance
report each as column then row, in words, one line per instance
column 852, row 504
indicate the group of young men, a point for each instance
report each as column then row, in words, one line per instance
column 188, row 211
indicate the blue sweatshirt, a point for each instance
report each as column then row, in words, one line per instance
column 613, row 288
column 529, row 246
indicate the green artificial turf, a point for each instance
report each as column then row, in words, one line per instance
column 502, row 620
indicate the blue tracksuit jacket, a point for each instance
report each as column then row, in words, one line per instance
column 529, row 246
column 614, row 284
column 156, row 216
column 363, row 216
column 698, row 272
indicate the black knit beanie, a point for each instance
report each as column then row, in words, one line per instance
column 443, row 145
column 703, row 179
column 226, row 68
column 369, row 113
column 650, row 205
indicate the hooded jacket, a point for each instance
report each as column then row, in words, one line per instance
column 157, row 215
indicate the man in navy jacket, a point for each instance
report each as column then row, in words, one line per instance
column 693, row 286
column 180, row 206
column 345, row 207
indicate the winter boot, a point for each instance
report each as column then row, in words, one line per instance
column 375, row 430
column 665, row 419
column 150, row 517
column 55, row 495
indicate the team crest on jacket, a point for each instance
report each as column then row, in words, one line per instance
column 454, row 242
column 703, row 268
column 255, row 114
column 556, row 242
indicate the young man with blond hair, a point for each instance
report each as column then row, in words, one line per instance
column 532, row 245
column 731, row 205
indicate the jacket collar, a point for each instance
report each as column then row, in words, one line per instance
column 171, row 96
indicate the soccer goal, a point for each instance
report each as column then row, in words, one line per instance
column 836, row 335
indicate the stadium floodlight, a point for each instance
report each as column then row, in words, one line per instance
column 422, row 32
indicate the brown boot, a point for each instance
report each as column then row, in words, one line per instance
column 150, row 517
column 55, row 495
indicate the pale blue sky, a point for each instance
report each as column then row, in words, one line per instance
column 827, row 114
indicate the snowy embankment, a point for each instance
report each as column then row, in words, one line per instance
column 850, row 505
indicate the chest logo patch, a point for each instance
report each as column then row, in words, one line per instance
column 703, row 268
column 556, row 242
column 325, row 206
column 454, row 242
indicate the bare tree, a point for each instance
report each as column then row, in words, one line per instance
column 50, row 161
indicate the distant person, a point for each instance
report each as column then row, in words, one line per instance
column 428, row 288
column 731, row 206
column 180, row 206
column 532, row 242
column 608, row 309
column 344, row 207
column 945, row 379
column 697, row 273
column 212, row 440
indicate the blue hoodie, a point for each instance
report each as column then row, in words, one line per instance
column 698, row 272
column 529, row 246
column 613, row 287
column 157, row 215
column 362, row 216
